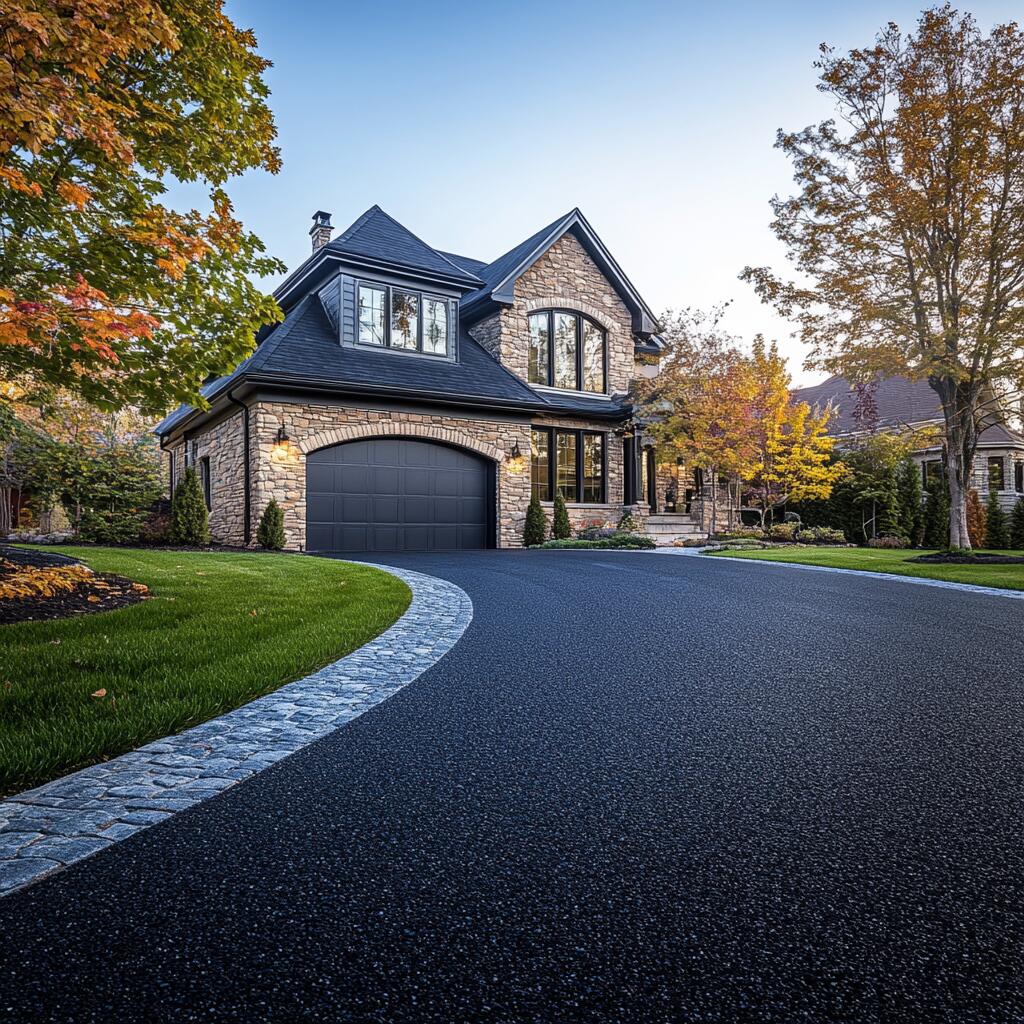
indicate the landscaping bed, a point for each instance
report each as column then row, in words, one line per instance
column 37, row 585
column 965, row 558
column 217, row 631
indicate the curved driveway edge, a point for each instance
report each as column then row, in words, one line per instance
column 925, row 581
column 45, row 829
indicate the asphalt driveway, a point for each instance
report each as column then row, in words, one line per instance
column 641, row 788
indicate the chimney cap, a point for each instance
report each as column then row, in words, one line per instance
column 321, row 219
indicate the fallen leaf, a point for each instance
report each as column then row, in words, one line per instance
column 253, row 612
column 99, row 693
column 54, row 642
column 93, row 599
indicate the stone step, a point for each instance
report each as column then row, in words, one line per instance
column 652, row 527
column 670, row 517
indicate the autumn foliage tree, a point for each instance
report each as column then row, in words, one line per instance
column 907, row 228
column 104, row 289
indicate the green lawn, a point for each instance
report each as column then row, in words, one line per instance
column 219, row 630
column 1010, row 577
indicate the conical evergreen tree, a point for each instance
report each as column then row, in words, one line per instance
column 1017, row 526
column 911, row 502
column 190, row 523
column 975, row 519
column 561, row 528
column 536, row 528
column 936, row 517
column 997, row 533
column 270, row 533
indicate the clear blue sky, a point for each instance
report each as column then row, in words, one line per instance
column 474, row 124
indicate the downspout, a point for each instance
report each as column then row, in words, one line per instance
column 246, row 472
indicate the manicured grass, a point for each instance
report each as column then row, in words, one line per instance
column 1010, row 577
column 219, row 630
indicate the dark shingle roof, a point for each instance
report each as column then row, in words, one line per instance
column 380, row 237
column 897, row 399
column 467, row 263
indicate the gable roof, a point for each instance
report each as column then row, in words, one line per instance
column 499, row 277
column 379, row 236
column 898, row 400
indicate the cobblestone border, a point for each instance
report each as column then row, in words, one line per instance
column 45, row 829
column 924, row 581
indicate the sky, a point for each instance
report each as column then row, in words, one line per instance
column 475, row 124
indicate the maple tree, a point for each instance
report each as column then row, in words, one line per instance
column 908, row 226
column 104, row 289
column 792, row 449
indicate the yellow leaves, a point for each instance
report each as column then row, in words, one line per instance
column 17, row 181
column 26, row 581
column 77, row 195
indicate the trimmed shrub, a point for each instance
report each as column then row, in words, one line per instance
column 190, row 523
column 270, row 532
column 889, row 541
column 628, row 523
column 1017, row 526
column 997, row 533
column 820, row 535
column 975, row 519
column 908, row 484
column 620, row 540
column 936, row 517
column 743, row 533
column 783, row 531
column 561, row 528
column 536, row 527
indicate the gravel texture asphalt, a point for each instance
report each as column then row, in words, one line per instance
column 638, row 789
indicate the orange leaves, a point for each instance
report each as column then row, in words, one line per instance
column 26, row 581
column 100, row 693
column 17, row 181
column 76, row 195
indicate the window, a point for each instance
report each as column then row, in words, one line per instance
column 568, row 462
column 567, row 350
column 995, row 473
column 540, row 464
column 171, row 475
column 204, row 479
column 931, row 471
column 402, row 319
column 1018, row 476
column 372, row 301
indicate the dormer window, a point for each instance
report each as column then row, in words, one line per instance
column 398, row 318
column 567, row 350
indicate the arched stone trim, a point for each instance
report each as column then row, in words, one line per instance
column 604, row 317
column 355, row 431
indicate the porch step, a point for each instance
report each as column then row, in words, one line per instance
column 652, row 526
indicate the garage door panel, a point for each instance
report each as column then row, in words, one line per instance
column 396, row 494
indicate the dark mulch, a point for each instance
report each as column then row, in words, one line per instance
column 951, row 558
column 101, row 593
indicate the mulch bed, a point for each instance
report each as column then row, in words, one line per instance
column 948, row 558
column 100, row 593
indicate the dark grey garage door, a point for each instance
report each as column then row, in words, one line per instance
column 393, row 494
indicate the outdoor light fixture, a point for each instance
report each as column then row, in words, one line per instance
column 282, row 435
column 515, row 460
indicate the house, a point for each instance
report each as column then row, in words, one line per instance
column 414, row 399
column 902, row 404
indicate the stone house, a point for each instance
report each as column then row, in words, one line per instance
column 413, row 399
column 902, row 404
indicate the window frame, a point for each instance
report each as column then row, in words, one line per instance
column 579, row 320
column 552, row 481
column 1018, row 477
column 1001, row 460
column 206, row 481
column 419, row 350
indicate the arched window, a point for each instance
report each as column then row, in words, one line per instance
column 568, row 350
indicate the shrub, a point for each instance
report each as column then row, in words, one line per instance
column 156, row 528
column 628, row 523
column 936, row 517
column 597, row 532
column 536, row 527
column 783, row 531
column 741, row 533
column 270, row 532
column 189, row 520
column 820, row 535
column 561, row 528
column 1017, row 526
column 626, row 541
column 997, row 533
column 111, row 491
column 911, row 512
column 888, row 541
column 975, row 519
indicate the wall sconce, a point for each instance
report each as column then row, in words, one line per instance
column 282, row 435
column 515, row 461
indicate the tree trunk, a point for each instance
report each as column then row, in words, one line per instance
column 5, row 511
column 960, row 414
column 713, row 525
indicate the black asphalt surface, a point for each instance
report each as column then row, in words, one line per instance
column 641, row 788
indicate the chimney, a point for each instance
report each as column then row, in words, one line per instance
column 321, row 230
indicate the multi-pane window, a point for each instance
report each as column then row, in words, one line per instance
column 567, row 350
column 372, row 301
column 435, row 326
column 540, row 464
column 995, row 473
column 1018, row 476
column 568, row 462
column 402, row 319
column 565, row 464
column 932, row 474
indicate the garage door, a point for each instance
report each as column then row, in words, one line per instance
column 393, row 494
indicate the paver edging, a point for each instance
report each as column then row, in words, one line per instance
column 63, row 821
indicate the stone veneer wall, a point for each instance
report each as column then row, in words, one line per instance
column 564, row 276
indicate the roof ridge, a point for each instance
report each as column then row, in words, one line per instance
column 437, row 252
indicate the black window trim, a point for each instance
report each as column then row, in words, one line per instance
column 580, row 317
column 1001, row 459
column 419, row 350
column 552, row 433
column 206, row 482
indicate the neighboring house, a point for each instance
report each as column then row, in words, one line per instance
column 412, row 399
column 902, row 404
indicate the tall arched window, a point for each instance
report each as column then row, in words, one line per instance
column 568, row 350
